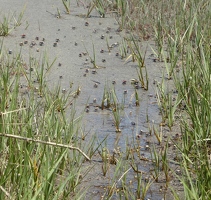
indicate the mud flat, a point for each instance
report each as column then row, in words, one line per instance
column 88, row 61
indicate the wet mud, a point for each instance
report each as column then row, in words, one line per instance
column 74, row 41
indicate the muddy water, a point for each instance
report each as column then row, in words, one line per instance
column 73, row 66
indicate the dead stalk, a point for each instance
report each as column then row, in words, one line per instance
column 5, row 192
column 45, row 142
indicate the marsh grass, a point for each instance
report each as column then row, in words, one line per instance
column 117, row 109
column 31, row 170
column 123, row 49
column 41, row 68
column 90, row 9
column 106, row 100
column 5, row 24
column 101, row 6
column 156, row 162
column 121, row 7
column 165, row 164
column 193, row 85
column 66, row 4
column 181, row 30
column 109, row 47
column 110, row 101
column 162, row 100
column 36, row 134
column 119, row 175
column 158, row 134
column 168, row 103
column 18, row 19
column 93, row 58
column 58, row 14
column 136, row 55
column 5, row 28
column 196, row 94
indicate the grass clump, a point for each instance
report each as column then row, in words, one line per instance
column 5, row 24
column 5, row 28
column 36, row 137
column 189, row 46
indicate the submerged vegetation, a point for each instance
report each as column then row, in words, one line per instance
column 42, row 151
